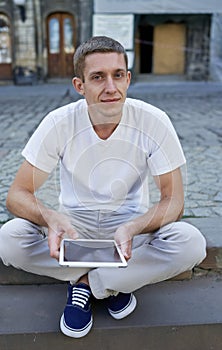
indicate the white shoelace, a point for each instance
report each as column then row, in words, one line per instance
column 80, row 296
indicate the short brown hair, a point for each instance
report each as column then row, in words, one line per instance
column 95, row 44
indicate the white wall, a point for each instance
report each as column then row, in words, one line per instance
column 158, row 6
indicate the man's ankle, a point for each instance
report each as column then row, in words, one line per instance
column 84, row 279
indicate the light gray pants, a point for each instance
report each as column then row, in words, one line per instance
column 171, row 250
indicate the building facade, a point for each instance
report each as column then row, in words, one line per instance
column 40, row 36
column 164, row 39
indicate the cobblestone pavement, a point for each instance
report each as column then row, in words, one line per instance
column 194, row 108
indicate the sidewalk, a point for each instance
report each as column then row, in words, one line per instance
column 194, row 108
column 178, row 314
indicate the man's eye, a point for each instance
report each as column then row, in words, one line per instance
column 120, row 75
column 97, row 77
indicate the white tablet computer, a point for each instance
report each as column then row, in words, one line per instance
column 91, row 253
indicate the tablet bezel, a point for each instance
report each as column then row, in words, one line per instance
column 91, row 264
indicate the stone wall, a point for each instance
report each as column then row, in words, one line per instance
column 216, row 48
column 198, row 48
column 85, row 20
column 24, row 37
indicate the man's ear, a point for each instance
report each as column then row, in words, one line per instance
column 78, row 85
column 128, row 78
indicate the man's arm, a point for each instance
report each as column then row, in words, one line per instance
column 22, row 202
column 168, row 209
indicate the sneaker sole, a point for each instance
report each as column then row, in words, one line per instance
column 74, row 333
column 127, row 311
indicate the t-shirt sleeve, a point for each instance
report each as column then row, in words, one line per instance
column 165, row 153
column 42, row 149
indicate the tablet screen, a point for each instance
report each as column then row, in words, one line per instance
column 91, row 253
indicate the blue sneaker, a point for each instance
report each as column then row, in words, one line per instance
column 121, row 305
column 77, row 320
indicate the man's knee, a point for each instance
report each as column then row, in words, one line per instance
column 195, row 243
column 12, row 228
column 12, row 237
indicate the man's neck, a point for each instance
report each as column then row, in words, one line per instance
column 104, row 131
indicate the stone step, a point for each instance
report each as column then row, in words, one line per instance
column 10, row 275
column 210, row 227
column 212, row 230
column 178, row 315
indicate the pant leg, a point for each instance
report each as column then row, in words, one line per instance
column 25, row 246
column 173, row 249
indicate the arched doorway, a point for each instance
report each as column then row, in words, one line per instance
column 5, row 48
column 60, row 44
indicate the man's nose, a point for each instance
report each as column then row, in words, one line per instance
column 110, row 86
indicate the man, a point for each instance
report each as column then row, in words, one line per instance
column 106, row 145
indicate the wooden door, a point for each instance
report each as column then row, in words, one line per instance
column 61, row 45
column 5, row 48
column 168, row 52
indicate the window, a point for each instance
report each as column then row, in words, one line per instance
column 54, row 37
column 68, row 36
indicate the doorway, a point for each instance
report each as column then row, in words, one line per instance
column 5, row 48
column 146, row 48
column 168, row 52
column 61, row 45
column 161, row 49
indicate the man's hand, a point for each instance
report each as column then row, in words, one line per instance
column 123, row 237
column 58, row 225
column 22, row 202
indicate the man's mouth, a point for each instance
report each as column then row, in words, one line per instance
column 110, row 100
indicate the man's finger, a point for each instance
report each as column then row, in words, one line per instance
column 54, row 241
column 125, row 247
column 126, row 250
column 72, row 233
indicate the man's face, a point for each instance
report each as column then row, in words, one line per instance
column 105, row 85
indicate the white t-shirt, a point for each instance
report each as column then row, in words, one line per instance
column 109, row 174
